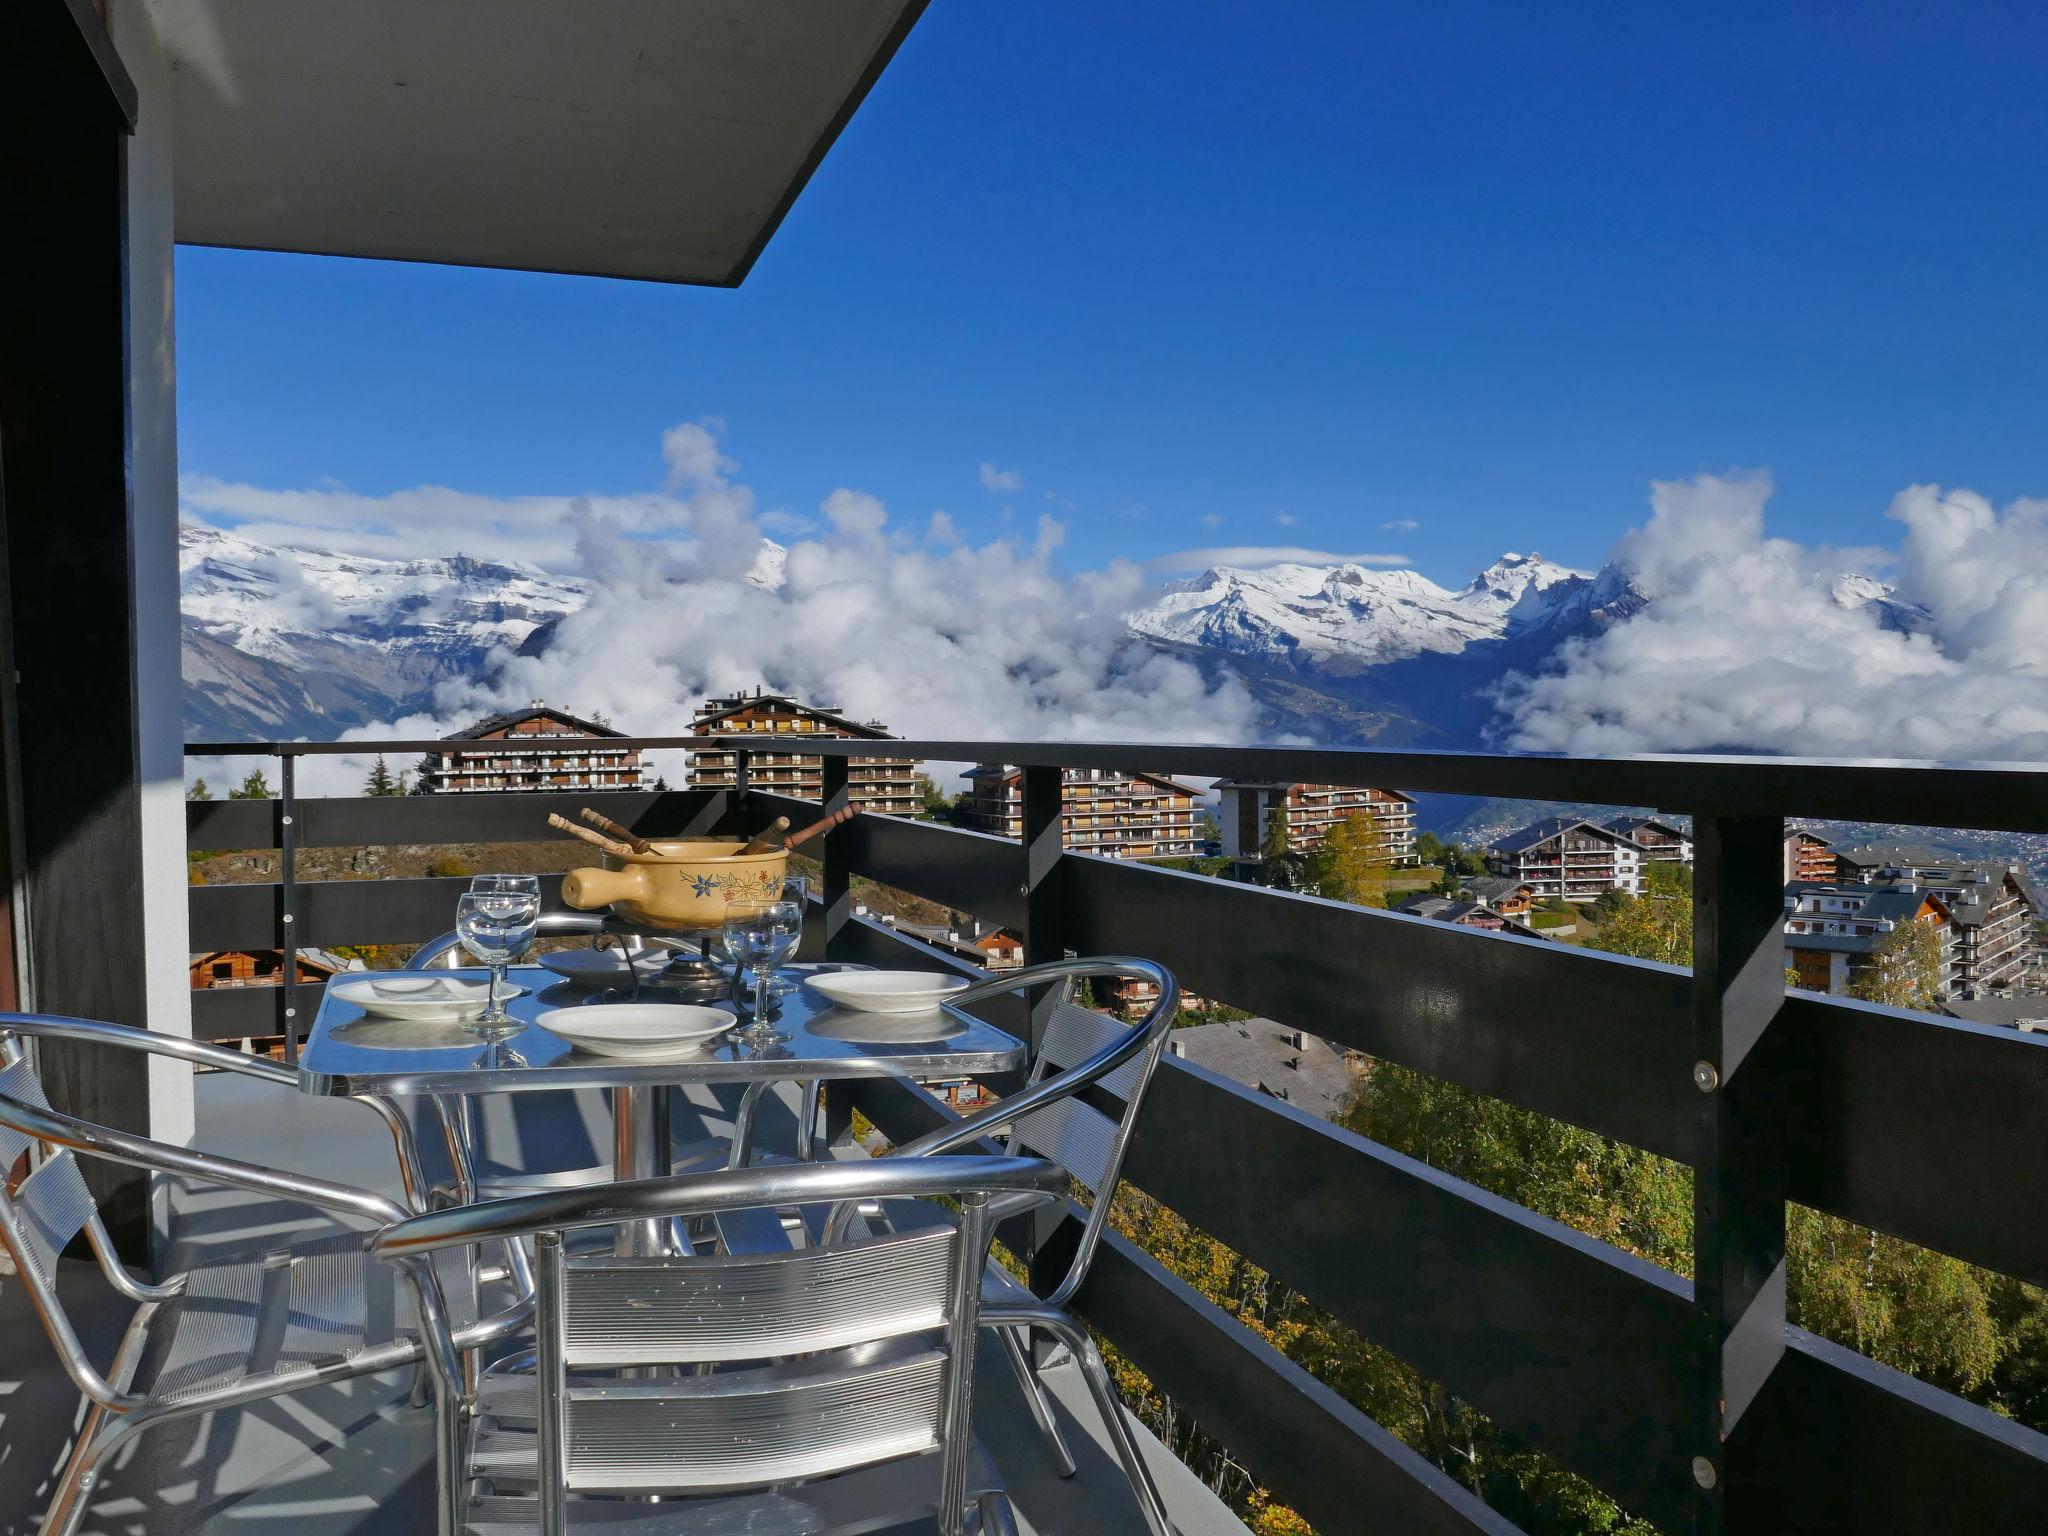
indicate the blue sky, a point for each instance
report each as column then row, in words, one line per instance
column 1266, row 275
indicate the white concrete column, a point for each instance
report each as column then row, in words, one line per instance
column 153, row 534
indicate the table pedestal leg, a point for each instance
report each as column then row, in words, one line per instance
column 640, row 1150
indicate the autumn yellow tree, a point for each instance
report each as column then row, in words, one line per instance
column 1904, row 969
column 1355, row 862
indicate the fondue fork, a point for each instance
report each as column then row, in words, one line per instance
column 564, row 824
column 610, row 828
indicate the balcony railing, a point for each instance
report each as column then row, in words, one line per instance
column 1693, row 1404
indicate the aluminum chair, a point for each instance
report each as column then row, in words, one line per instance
column 231, row 1331
column 1112, row 1061
column 827, row 1388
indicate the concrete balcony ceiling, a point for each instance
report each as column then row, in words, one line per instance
column 638, row 138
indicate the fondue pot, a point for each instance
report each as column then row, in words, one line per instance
column 679, row 882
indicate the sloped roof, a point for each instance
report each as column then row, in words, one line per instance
column 1628, row 824
column 514, row 717
column 1543, row 831
column 1491, row 888
column 850, row 726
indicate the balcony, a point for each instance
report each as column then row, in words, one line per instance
column 1918, row 1126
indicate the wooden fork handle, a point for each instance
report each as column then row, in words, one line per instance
column 610, row 828
column 564, row 824
column 825, row 824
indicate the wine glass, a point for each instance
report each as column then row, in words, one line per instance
column 760, row 933
column 524, row 885
column 497, row 927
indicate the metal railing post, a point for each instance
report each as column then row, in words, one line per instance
column 835, row 885
column 288, row 895
column 1042, row 848
column 1738, row 1183
column 1044, row 939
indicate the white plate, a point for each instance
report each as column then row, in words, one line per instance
column 637, row 1030
column 419, row 998
column 602, row 967
column 886, row 991
column 928, row 1026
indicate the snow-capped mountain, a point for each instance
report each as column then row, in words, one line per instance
column 307, row 607
column 1348, row 617
column 284, row 641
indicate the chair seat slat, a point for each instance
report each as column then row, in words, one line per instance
column 653, row 1311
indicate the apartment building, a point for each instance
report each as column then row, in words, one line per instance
column 1808, row 857
column 1659, row 841
column 520, row 751
column 1570, row 857
column 1308, row 811
column 1833, row 927
column 1118, row 815
column 884, row 785
column 1994, row 908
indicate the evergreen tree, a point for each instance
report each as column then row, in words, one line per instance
column 1280, row 867
column 422, row 772
column 254, row 787
column 199, row 791
column 380, row 783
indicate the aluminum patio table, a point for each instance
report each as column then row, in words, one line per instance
column 350, row 1054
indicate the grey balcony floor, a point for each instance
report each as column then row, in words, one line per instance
column 354, row 1458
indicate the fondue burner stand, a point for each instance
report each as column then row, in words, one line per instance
column 690, row 966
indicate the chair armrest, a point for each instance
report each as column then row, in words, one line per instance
column 59, row 1129
column 705, row 1194
column 127, row 1037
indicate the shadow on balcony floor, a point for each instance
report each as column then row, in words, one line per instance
column 351, row 1460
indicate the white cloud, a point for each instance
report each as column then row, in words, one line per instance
column 1212, row 519
column 1004, row 481
column 426, row 520
column 420, row 520
column 934, row 636
column 1284, row 519
column 1745, row 645
column 1254, row 556
column 1400, row 525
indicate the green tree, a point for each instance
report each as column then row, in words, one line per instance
column 936, row 806
column 1279, row 865
column 1607, row 903
column 199, row 791
column 254, row 787
column 380, row 782
column 1667, row 879
column 422, row 771
column 1904, row 969
column 1429, row 848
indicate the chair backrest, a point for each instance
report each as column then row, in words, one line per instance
column 780, row 1367
column 1087, row 1132
column 878, row 1310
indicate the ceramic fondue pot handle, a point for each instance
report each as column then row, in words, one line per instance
column 588, row 889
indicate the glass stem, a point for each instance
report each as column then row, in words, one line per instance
column 760, row 994
column 491, row 1003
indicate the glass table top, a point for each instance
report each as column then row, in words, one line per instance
column 351, row 1052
